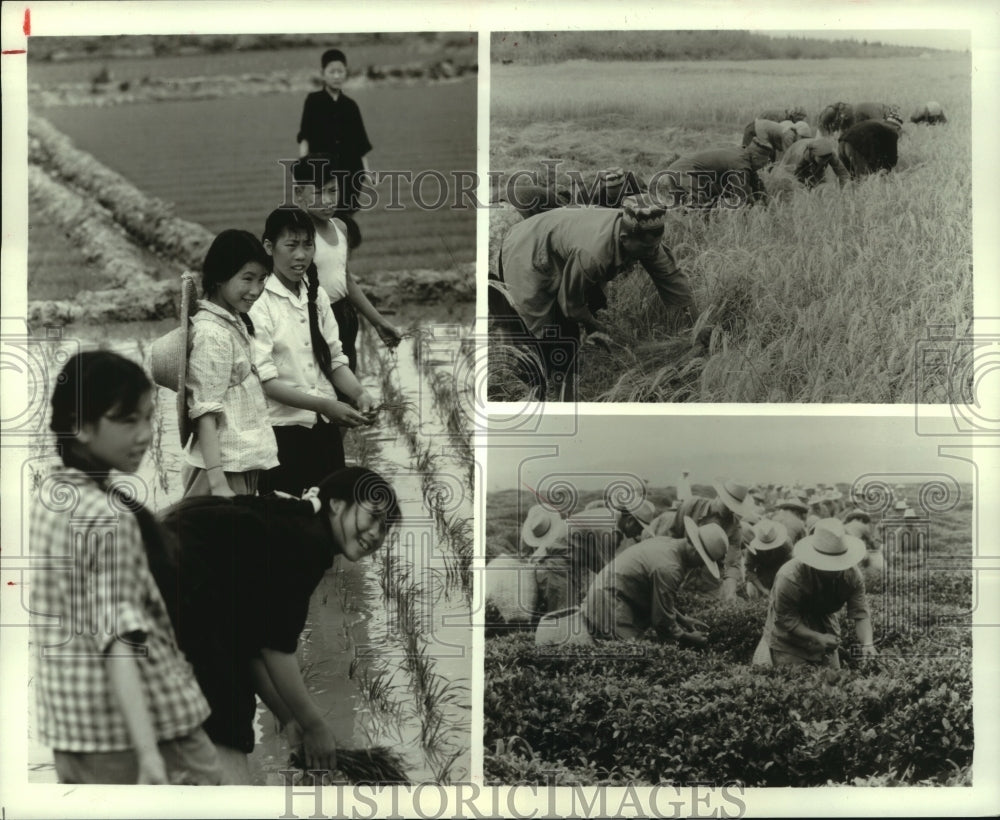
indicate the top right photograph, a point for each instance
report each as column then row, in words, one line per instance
column 729, row 216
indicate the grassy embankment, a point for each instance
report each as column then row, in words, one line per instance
column 819, row 297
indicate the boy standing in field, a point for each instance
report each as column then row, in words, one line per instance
column 332, row 124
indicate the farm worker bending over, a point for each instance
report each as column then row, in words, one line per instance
column 238, row 592
column 779, row 136
column 639, row 588
column 609, row 188
column 544, row 531
column 569, row 552
column 791, row 513
column 634, row 522
column 802, row 625
column 731, row 504
column 808, row 160
column 726, row 176
column 556, row 265
column 770, row 548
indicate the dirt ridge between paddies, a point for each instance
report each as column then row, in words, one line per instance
column 106, row 91
column 126, row 228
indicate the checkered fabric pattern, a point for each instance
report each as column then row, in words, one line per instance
column 90, row 587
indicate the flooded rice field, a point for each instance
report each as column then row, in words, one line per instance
column 386, row 650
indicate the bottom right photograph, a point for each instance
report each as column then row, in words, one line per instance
column 766, row 601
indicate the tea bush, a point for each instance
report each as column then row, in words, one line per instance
column 655, row 713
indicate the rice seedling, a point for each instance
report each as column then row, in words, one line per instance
column 378, row 765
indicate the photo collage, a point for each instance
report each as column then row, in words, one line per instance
column 635, row 454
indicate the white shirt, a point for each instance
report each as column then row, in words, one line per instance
column 222, row 379
column 283, row 347
column 331, row 264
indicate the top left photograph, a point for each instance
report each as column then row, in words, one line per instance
column 254, row 258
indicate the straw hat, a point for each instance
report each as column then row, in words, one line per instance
column 909, row 513
column 169, row 356
column 830, row 548
column 857, row 528
column 596, row 504
column 793, row 504
column 542, row 527
column 643, row 511
column 735, row 496
column 768, row 535
column 900, row 507
column 710, row 542
column 857, row 515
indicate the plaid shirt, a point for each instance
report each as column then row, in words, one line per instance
column 91, row 587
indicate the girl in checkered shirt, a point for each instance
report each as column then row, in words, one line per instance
column 233, row 441
column 115, row 698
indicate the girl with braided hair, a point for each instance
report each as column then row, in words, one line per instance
column 300, row 360
column 233, row 442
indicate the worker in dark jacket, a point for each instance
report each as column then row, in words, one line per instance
column 721, row 176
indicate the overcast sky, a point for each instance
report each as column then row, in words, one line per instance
column 767, row 449
column 957, row 39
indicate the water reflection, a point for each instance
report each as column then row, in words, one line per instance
column 386, row 650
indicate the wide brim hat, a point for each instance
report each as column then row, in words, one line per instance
column 857, row 515
column 168, row 358
column 706, row 538
column 829, row 547
column 909, row 513
column 542, row 527
column 793, row 504
column 900, row 506
column 737, row 498
column 643, row 511
column 768, row 535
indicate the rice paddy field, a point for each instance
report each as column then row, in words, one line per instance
column 216, row 161
column 386, row 650
column 818, row 297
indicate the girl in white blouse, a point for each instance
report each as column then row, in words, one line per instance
column 233, row 441
column 300, row 360
column 317, row 192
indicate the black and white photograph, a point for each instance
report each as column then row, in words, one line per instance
column 781, row 601
column 257, row 321
column 446, row 409
column 727, row 216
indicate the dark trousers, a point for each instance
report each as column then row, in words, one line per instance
column 347, row 321
column 556, row 350
column 306, row 455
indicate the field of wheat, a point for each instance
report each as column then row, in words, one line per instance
column 819, row 297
